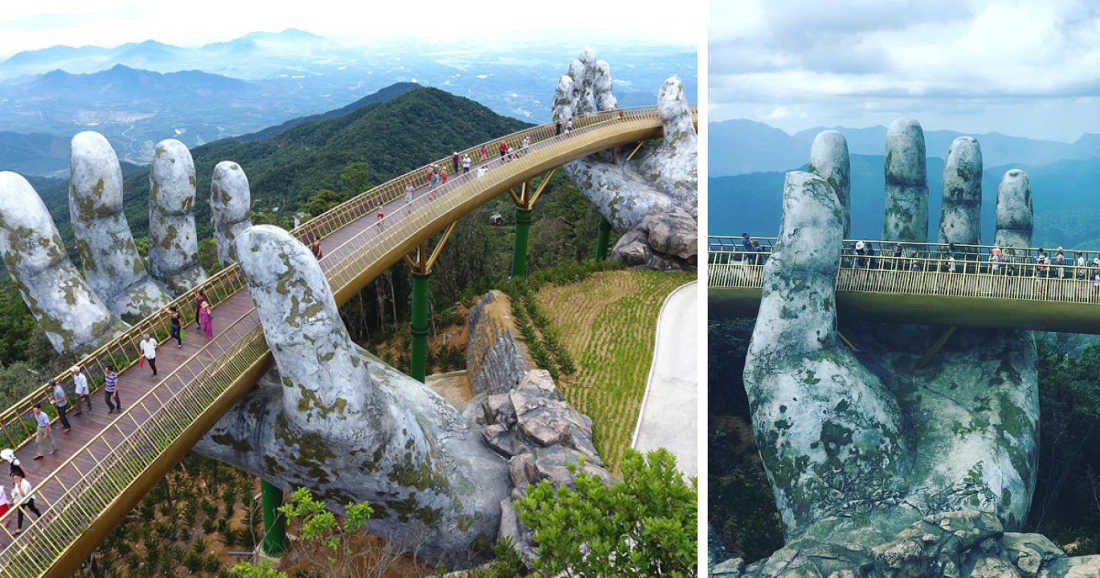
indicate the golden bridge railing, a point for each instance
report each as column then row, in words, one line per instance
column 985, row 271
column 119, row 457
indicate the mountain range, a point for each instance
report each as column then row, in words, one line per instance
column 394, row 130
column 139, row 93
column 742, row 146
column 1064, row 198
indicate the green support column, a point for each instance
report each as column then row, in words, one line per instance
column 419, row 361
column 275, row 542
column 519, row 254
column 602, row 238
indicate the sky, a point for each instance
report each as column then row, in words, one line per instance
column 1023, row 68
column 34, row 25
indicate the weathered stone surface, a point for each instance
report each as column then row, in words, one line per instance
column 1014, row 213
column 230, row 205
column 496, row 358
column 829, row 160
column 72, row 315
column 828, row 421
column 498, row 437
column 174, row 246
column 112, row 266
column 655, row 181
column 957, row 544
column 553, row 464
column 906, row 215
column 665, row 241
column 961, row 212
column 349, row 427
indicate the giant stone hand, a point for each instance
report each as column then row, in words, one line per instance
column 859, row 444
column 336, row 419
column 661, row 183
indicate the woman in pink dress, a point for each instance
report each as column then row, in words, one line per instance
column 205, row 320
column 200, row 297
column 484, row 154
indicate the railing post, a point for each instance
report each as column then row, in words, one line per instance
column 275, row 541
column 602, row 238
column 419, row 360
column 519, row 254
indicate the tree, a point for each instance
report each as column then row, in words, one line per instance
column 642, row 526
column 355, row 178
column 322, row 201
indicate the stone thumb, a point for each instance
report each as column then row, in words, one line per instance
column 798, row 306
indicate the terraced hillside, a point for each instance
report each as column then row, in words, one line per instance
column 607, row 323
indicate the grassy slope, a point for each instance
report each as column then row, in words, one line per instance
column 607, row 323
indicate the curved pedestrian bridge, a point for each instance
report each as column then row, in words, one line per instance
column 1027, row 288
column 106, row 464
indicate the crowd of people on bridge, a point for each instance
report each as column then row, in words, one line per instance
column 950, row 258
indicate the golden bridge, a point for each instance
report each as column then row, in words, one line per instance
column 107, row 464
column 1050, row 289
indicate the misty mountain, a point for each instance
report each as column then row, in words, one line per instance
column 1067, row 208
column 392, row 91
column 293, row 73
column 743, row 146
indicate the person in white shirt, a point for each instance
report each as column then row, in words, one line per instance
column 409, row 192
column 466, row 163
column 80, row 388
column 149, row 350
column 20, row 493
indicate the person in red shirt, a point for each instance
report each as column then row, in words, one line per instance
column 503, row 150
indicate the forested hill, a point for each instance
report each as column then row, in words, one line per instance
column 392, row 137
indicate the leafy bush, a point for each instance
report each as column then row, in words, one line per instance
column 642, row 526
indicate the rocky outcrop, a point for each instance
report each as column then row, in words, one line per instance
column 957, row 544
column 961, row 212
column 656, row 181
column 541, row 435
column 906, row 211
column 173, row 246
column 496, row 358
column 72, row 315
column 664, row 241
column 349, row 427
column 1014, row 213
column 112, row 266
column 858, row 445
column 230, row 206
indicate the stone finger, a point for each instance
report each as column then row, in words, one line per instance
column 1014, row 213
column 906, row 209
column 72, row 315
column 112, row 265
column 230, row 205
column 961, row 212
column 173, row 242
column 829, row 160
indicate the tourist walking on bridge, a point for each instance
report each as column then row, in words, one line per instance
column 14, row 465
column 466, row 163
column 315, row 247
column 80, row 386
column 5, row 505
column 61, row 402
column 503, row 148
column 110, row 388
column 484, row 154
column 206, row 319
column 149, row 352
column 409, row 192
column 454, row 161
column 443, row 175
column 200, row 298
column 42, row 437
column 175, row 327
column 20, row 494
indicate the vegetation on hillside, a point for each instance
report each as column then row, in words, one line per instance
column 607, row 324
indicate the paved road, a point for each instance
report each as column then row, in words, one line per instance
column 669, row 416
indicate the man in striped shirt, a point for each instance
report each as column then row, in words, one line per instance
column 110, row 389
